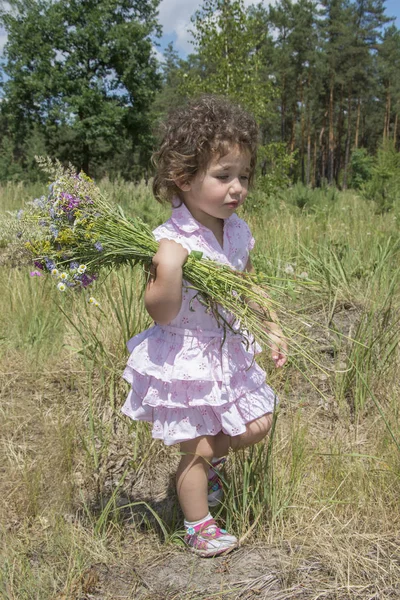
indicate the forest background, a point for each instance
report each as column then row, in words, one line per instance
column 82, row 82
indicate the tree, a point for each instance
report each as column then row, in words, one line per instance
column 84, row 72
column 294, row 61
column 226, row 60
column 388, row 64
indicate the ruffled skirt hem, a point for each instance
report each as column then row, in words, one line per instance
column 174, row 425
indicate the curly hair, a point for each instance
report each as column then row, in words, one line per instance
column 207, row 127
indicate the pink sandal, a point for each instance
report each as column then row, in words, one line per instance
column 208, row 539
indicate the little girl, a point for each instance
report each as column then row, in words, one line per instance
column 198, row 384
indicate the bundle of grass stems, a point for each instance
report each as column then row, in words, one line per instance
column 124, row 240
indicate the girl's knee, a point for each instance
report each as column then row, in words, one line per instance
column 201, row 447
column 256, row 431
column 260, row 427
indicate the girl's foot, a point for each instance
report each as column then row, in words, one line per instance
column 207, row 539
column 215, row 489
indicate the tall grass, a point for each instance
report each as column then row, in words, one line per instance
column 82, row 485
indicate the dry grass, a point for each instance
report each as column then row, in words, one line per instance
column 88, row 507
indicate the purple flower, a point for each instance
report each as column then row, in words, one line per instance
column 19, row 214
column 50, row 264
column 38, row 264
column 42, row 223
column 70, row 202
column 54, row 230
column 74, row 264
column 86, row 280
column 98, row 246
column 35, row 274
column 19, row 234
column 39, row 202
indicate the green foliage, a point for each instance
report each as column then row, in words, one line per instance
column 275, row 164
column 84, row 74
column 311, row 199
column 361, row 167
column 384, row 185
column 10, row 170
column 227, row 60
column 273, row 175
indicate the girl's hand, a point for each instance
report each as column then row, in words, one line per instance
column 170, row 254
column 279, row 348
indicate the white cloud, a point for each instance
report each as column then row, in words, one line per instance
column 174, row 16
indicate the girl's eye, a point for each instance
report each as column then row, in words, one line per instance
column 222, row 176
column 245, row 177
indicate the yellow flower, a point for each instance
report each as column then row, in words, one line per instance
column 66, row 237
column 62, row 287
column 64, row 276
column 54, row 272
column 81, row 269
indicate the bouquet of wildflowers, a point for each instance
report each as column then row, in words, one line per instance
column 83, row 235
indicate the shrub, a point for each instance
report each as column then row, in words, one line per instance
column 384, row 185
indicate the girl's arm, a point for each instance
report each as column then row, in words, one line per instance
column 163, row 295
column 279, row 349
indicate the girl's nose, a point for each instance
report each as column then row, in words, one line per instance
column 236, row 186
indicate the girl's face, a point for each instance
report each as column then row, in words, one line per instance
column 218, row 191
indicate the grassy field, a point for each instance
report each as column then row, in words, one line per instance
column 88, row 507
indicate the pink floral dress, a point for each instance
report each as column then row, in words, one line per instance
column 185, row 377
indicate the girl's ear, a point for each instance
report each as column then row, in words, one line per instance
column 183, row 184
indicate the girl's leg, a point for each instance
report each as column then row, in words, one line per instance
column 203, row 536
column 191, row 477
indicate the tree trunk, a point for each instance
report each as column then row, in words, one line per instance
column 292, row 144
column 357, row 122
column 331, row 147
column 86, row 158
column 314, row 176
column 308, row 168
column 395, row 130
column 322, row 173
column 302, row 129
column 386, row 125
column 348, row 138
column 293, row 128
column 339, row 137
